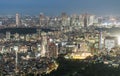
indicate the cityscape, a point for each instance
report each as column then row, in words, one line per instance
column 59, row 41
column 34, row 44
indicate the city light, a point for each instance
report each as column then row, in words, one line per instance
column 46, row 40
column 118, row 40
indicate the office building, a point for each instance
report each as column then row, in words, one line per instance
column 17, row 19
column 53, row 52
column 8, row 35
column 44, row 45
column 42, row 19
column 85, row 20
column 110, row 42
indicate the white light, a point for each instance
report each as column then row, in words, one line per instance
column 118, row 40
column 51, row 40
column 16, row 48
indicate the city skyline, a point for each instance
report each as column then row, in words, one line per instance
column 55, row 7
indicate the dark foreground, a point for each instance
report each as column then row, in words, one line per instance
column 83, row 68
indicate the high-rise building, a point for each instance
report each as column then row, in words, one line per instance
column 81, row 19
column 85, row 20
column 42, row 19
column 53, row 50
column 44, row 45
column 39, row 32
column 17, row 19
column 110, row 42
column 8, row 35
column 91, row 20
column 1, row 23
column 100, row 40
column 75, row 20
column 64, row 19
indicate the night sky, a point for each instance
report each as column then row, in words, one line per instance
column 55, row 7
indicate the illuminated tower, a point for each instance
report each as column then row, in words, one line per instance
column 16, row 59
column 17, row 19
column 44, row 45
column 100, row 40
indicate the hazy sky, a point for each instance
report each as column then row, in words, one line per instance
column 55, row 7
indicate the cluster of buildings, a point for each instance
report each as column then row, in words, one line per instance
column 76, row 36
column 25, row 65
column 74, row 29
column 74, row 20
column 36, row 42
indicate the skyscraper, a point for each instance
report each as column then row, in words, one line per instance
column 53, row 50
column 91, row 20
column 8, row 35
column 64, row 19
column 42, row 19
column 85, row 20
column 100, row 40
column 44, row 44
column 17, row 19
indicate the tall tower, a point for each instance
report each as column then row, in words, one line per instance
column 44, row 45
column 100, row 40
column 17, row 19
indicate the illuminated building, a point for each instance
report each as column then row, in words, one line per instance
column 17, row 20
column 65, row 19
column 44, row 45
column 110, row 42
column 52, row 48
column 42, row 19
column 38, row 33
column 81, row 55
column 16, row 59
column 8, row 35
column 81, row 19
column 82, row 47
column 1, row 23
column 27, row 37
column 16, row 36
column 91, row 20
column 23, row 49
column 75, row 20
column 100, row 41
column 88, row 20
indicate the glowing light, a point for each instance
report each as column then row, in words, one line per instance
column 118, row 40
column 16, row 48
column 78, row 55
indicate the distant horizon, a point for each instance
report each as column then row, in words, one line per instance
column 57, row 14
column 56, row 7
